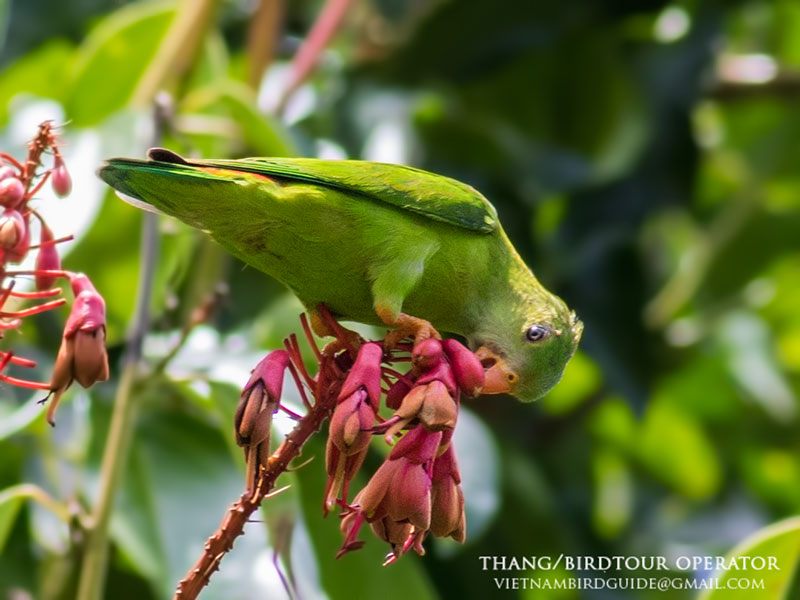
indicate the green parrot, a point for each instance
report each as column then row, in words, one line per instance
column 376, row 243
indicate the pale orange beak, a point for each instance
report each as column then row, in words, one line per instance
column 499, row 378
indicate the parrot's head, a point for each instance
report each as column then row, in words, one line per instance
column 526, row 357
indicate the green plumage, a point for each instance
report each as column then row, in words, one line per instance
column 358, row 236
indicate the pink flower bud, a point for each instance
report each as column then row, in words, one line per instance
column 15, row 237
column 62, row 183
column 91, row 361
column 11, row 192
column 12, row 229
column 259, row 399
column 393, row 532
column 47, row 260
column 370, row 499
column 440, row 372
column 269, row 373
column 447, row 498
column 418, row 446
column 408, row 497
column 431, row 404
column 427, row 354
column 438, row 411
column 352, row 422
column 366, row 372
column 349, row 436
column 89, row 309
column 396, row 393
column 467, row 368
column 82, row 355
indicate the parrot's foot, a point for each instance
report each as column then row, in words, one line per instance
column 321, row 326
column 406, row 326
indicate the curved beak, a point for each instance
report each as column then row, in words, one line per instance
column 499, row 377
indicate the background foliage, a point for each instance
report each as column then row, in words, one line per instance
column 642, row 157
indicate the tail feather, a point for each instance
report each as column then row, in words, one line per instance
column 159, row 186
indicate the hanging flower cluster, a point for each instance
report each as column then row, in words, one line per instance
column 82, row 355
column 416, row 491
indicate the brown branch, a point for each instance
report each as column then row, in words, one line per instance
column 329, row 382
column 262, row 38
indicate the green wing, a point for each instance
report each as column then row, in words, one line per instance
column 432, row 196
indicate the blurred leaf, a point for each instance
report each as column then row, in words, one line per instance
column 191, row 478
column 757, row 240
column 613, row 422
column 112, row 59
column 135, row 527
column 9, row 508
column 703, row 387
column 580, row 379
column 748, row 349
column 262, row 135
column 20, row 418
column 613, row 493
column 780, row 540
column 212, row 64
column 677, row 451
column 774, row 474
column 41, row 73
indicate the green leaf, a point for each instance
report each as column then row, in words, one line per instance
column 613, row 422
column 134, row 525
column 20, row 418
column 677, row 451
column 780, row 540
column 113, row 58
column 9, row 508
column 262, row 135
column 190, row 479
column 581, row 378
column 613, row 493
column 749, row 349
column 41, row 73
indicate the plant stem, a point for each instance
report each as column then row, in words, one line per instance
column 37, row 494
column 233, row 523
column 179, row 47
column 115, row 455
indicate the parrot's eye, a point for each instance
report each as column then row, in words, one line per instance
column 536, row 333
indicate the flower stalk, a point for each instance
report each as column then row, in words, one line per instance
column 417, row 489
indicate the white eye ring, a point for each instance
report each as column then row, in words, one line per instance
column 536, row 333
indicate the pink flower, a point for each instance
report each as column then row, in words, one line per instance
column 259, row 400
column 431, row 404
column 15, row 237
column 11, row 189
column 46, row 260
column 433, row 400
column 467, row 368
column 352, row 421
column 82, row 355
column 397, row 499
column 62, row 183
column 447, row 499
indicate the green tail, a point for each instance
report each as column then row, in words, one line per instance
column 171, row 188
